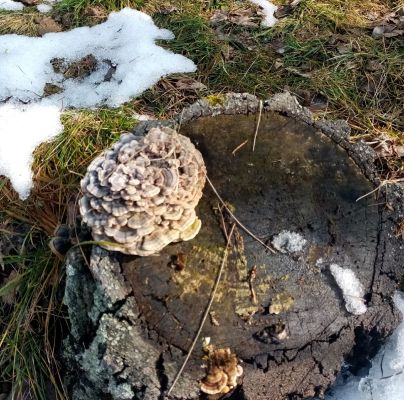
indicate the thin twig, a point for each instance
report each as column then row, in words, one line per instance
column 223, row 223
column 242, row 226
column 258, row 125
column 383, row 183
column 205, row 315
column 252, row 274
column 239, row 147
column 369, row 193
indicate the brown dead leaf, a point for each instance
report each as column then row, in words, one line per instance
column 219, row 16
column 351, row 65
column 50, row 89
column 9, row 298
column 278, row 45
column 243, row 18
column 344, row 48
column 46, row 25
column 386, row 147
column 29, row 2
column 314, row 101
column 67, row 20
column 77, row 69
column 399, row 150
column 167, row 9
column 399, row 231
column 97, row 12
column 373, row 66
column 392, row 25
column 228, row 52
column 388, row 31
column 286, row 9
column 298, row 72
column 368, row 83
column 81, row 68
column 278, row 63
column 238, row 17
column 189, row 84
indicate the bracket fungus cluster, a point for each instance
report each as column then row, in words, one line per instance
column 141, row 195
column 223, row 370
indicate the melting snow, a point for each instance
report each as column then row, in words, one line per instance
column 44, row 8
column 18, row 141
column 352, row 289
column 10, row 5
column 385, row 380
column 125, row 41
column 269, row 10
column 289, row 242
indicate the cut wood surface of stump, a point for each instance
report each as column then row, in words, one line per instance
column 283, row 315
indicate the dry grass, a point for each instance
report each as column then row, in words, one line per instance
column 30, row 327
column 323, row 52
column 21, row 23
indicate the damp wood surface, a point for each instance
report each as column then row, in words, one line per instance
column 298, row 180
column 134, row 318
column 295, row 180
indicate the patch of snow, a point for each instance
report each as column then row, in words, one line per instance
column 352, row 289
column 43, row 8
column 385, row 380
column 10, row 5
column 22, row 129
column 289, row 242
column 126, row 40
column 269, row 10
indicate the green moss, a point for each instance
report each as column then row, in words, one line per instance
column 281, row 302
column 215, row 100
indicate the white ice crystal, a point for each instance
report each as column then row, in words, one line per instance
column 125, row 41
column 269, row 10
column 352, row 289
column 289, row 242
column 22, row 129
column 385, row 380
column 10, row 5
column 43, row 7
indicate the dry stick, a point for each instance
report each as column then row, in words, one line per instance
column 239, row 147
column 236, row 220
column 205, row 315
column 252, row 274
column 258, row 125
column 383, row 183
column 223, row 223
column 371, row 192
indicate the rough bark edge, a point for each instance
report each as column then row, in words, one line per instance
column 104, row 372
column 339, row 131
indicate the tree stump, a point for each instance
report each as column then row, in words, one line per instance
column 134, row 318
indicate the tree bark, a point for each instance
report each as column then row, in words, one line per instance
column 134, row 318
